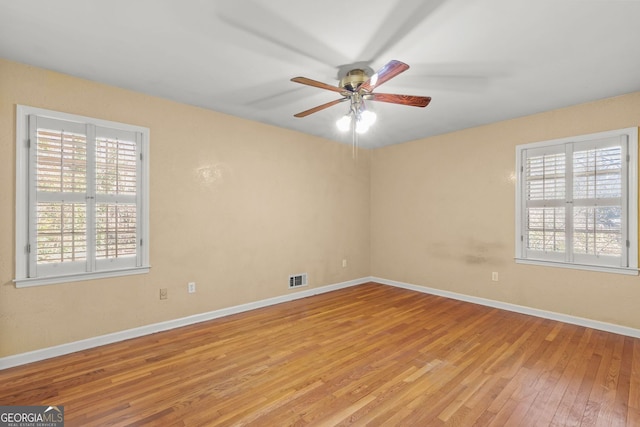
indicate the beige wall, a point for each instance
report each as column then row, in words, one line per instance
column 236, row 206
column 443, row 216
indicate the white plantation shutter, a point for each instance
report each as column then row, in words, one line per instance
column 59, row 194
column 116, row 197
column 599, row 208
column 574, row 201
column 86, row 203
column 545, row 186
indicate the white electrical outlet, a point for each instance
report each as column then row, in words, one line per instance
column 344, row 263
column 494, row 276
column 191, row 286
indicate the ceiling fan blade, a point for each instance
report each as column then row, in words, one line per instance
column 400, row 21
column 320, row 107
column 411, row 100
column 315, row 83
column 388, row 71
column 267, row 26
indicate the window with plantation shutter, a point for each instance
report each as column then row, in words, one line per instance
column 577, row 202
column 81, row 198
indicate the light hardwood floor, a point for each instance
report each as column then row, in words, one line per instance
column 367, row 355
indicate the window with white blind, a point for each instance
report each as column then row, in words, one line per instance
column 577, row 202
column 81, row 198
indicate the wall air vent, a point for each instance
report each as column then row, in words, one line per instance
column 298, row 280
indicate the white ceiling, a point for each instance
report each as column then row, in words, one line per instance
column 480, row 60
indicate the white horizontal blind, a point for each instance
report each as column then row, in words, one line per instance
column 61, row 232
column 62, row 161
column 116, row 163
column 115, row 230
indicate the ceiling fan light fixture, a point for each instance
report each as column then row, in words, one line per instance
column 367, row 117
column 344, row 123
column 364, row 120
column 361, row 127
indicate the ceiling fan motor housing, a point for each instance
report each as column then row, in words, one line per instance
column 353, row 80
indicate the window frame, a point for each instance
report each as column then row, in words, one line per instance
column 630, row 198
column 26, row 275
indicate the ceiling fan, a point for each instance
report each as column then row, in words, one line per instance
column 356, row 86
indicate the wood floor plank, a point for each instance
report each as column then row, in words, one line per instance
column 366, row 355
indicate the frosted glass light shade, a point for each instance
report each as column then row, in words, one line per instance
column 344, row 123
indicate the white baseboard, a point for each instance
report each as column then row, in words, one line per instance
column 59, row 350
column 574, row 320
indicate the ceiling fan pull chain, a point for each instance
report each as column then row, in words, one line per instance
column 354, row 136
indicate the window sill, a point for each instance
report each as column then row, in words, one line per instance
column 41, row 281
column 602, row 269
